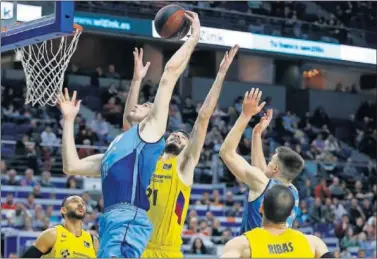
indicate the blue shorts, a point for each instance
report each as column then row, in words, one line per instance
column 124, row 232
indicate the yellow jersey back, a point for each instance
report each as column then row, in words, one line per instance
column 67, row 245
column 290, row 244
column 169, row 201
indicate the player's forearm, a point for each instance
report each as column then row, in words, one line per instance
column 210, row 102
column 132, row 99
column 178, row 62
column 199, row 131
column 173, row 70
column 234, row 136
column 69, row 151
column 257, row 155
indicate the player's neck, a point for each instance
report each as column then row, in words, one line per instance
column 167, row 156
column 282, row 180
column 74, row 226
column 273, row 227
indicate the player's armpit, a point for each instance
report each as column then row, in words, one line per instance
column 238, row 247
column 88, row 166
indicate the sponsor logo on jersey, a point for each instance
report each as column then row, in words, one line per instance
column 64, row 253
column 167, row 166
column 87, row 244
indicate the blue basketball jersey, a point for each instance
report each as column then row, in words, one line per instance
column 251, row 216
column 127, row 168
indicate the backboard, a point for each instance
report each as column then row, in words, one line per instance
column 30, row 22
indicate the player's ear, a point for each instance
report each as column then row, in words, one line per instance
column 63, row 210
column 276, row 169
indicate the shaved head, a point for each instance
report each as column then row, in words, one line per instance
column 278, row 204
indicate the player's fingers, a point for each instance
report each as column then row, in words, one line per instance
column 147, row 65
column 251, row 93
column 256, row 93
column 141, row 53
column 74, row 97
column 78, row 103
column 269, row 113
column 66, row 94
column 58, row 97
column 189, row 17
column 261, row 105
column 191, row 13
column 259, row 96
column 246, row 95
column 234, row 50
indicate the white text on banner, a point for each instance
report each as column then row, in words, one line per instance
column 296, row 47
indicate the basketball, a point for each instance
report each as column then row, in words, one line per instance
column 170, row 22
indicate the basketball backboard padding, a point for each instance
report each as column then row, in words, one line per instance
column 53, row 26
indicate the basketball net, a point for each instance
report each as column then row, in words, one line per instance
column 45, row 65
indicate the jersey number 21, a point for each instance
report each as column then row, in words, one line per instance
column 150, row 191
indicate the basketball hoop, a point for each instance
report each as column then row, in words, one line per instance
column 45, row 65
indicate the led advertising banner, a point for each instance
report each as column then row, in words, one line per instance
column 107, row 23
column 246, row 40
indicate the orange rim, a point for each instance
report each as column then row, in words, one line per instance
column 77, row 27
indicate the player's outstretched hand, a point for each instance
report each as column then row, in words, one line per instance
column 264, row 122
column 251, row 104
column 228, row 59
column 195, row 23
column 69, row 107
column 140, row 70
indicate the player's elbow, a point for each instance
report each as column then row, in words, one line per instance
column 68, row 170
column 225, row 153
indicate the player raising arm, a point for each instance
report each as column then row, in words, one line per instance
column 131, row 159
column 274, row 239
column 68, row 240
column 140, row 72
column 154, row 126
column 284, row 166
column 170, row 187
column 257, row 155
column 72, row 164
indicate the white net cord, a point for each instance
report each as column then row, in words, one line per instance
column 44, row 66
